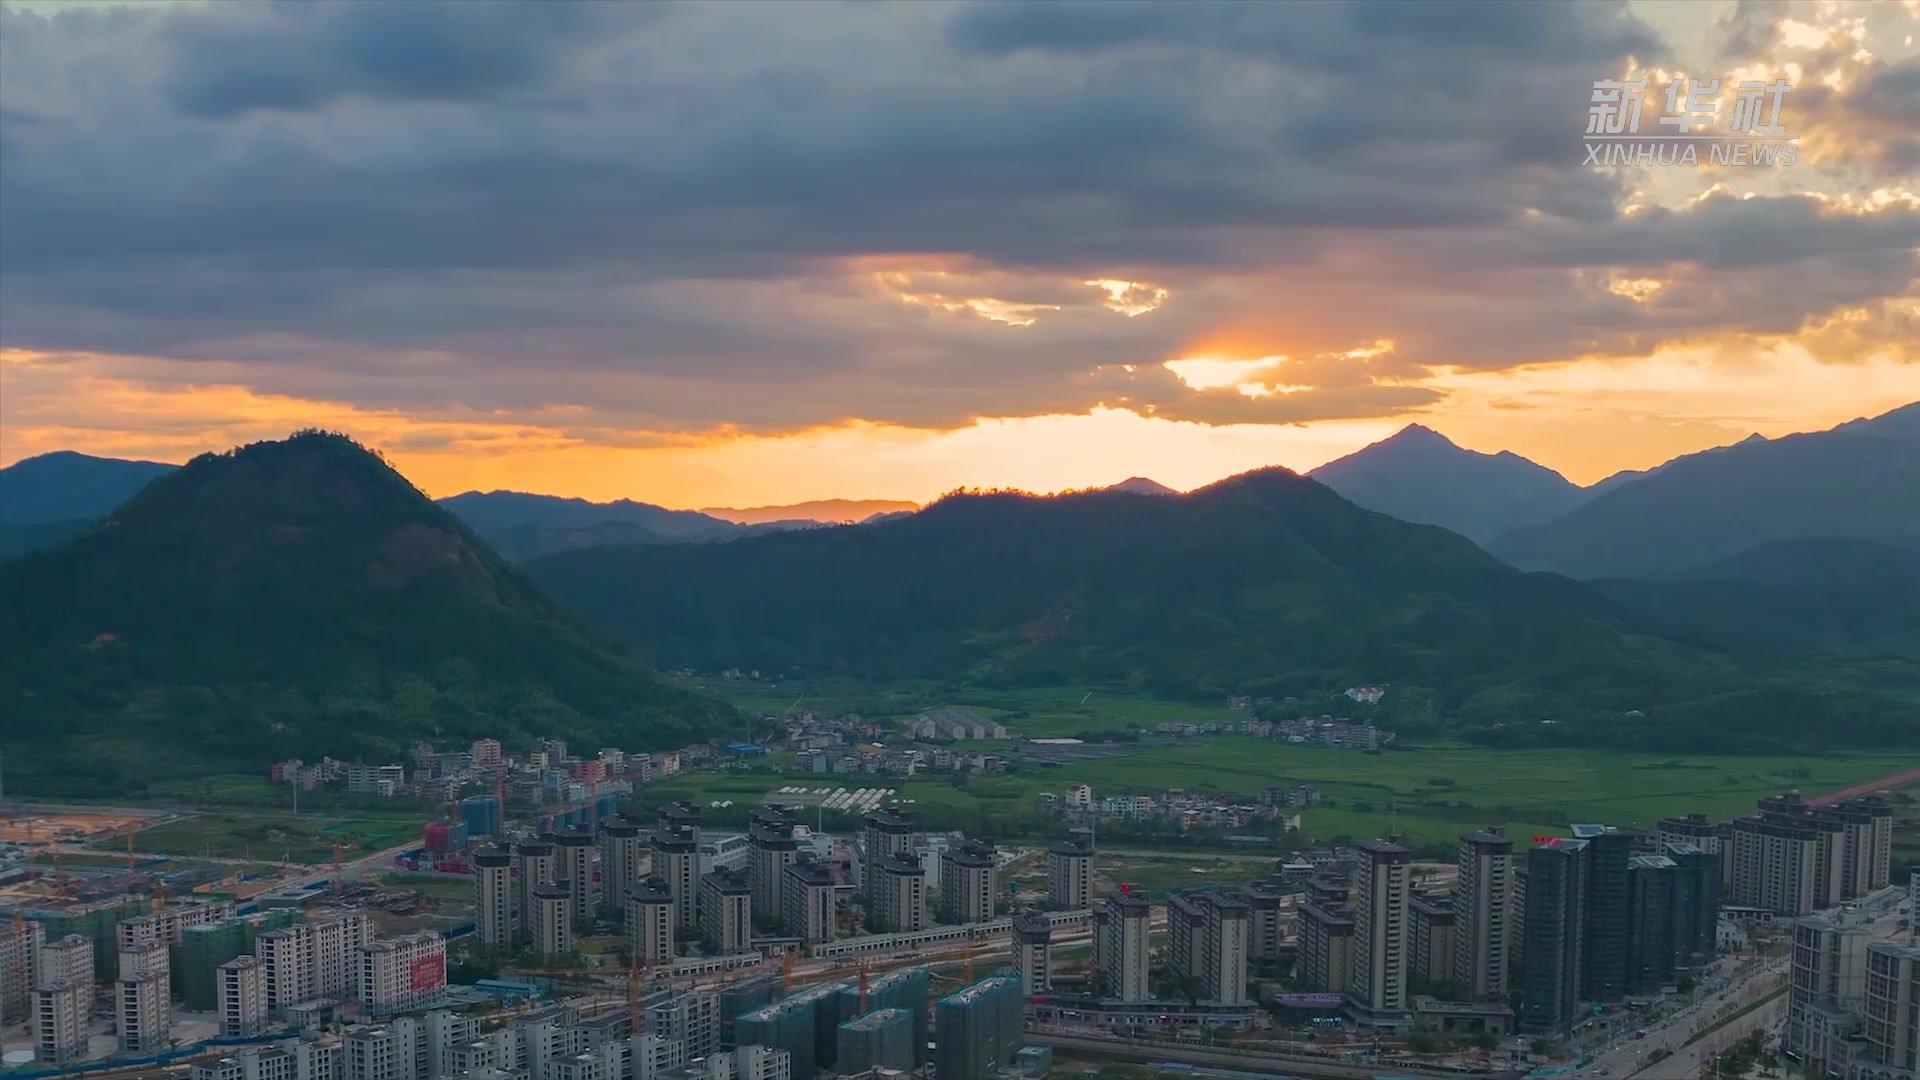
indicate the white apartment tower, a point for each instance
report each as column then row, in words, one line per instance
column 575, row 850
column 143, row 1012
column 625, row 859
column 493, row 897
column 20, row 946
column 242, row 994
column 402, row 974
column 1482, row 899
column 60, row 1019
column 313, row 962
column 533, row 867
column 1382, row 894
column 142, row 958
column 67, row 959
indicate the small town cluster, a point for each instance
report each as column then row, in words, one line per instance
column 666, row 947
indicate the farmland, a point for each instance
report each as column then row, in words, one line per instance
column 1429, row 794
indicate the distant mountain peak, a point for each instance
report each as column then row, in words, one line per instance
column 1140, row 485
column 1418, row 435
column 1422, row 476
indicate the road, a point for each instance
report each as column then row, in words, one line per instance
column 1683, row 1035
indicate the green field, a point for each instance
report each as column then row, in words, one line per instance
column 1430, row 795
column 1035, row 713
column 275, row 837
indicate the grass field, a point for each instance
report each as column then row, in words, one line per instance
column 276, row 837
column 1431, row 794
column 1035, row 713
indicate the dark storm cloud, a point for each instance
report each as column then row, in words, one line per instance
column 231, row 59
column 779, row 215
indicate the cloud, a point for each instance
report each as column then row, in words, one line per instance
column 655, row 222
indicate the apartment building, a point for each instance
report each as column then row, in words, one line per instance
column 169, row 924
column 573, row 866
column 552, row 931
column 1482, row 900
column 403, row 974
column 143, row 1012
column 771, row 848
column 900, row 894
column 1121, row 949
column 676, row 860
column 20, row 946
column 1033, row 953
column 1382, row 894
column 626, row 859
column 1828, row 973
column 60, row 1013
column 1793, row 858
column 650, row 922
column 1433, row 939
column 1070, row 872
column 138, row 959
column 969, row 873
column 1555, row 927
column 808, row 902
column 242, row 996
column 533, row 867
column 318, row 960
column 493, row 897
column 726, row 912
column 883, row 835
column 1890, row 1013
column 1325, row 929
column 67, row 959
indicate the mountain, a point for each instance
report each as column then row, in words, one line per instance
column 1419, row 475
column 1266, row 584
column 1844, row 601
column 1860, row 481
column 523, row 526
column 295, row 598
column 1140, row 485
column 821, row 511
column 17, row 540
column 64, row 487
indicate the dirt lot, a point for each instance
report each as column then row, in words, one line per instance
column 48, row 826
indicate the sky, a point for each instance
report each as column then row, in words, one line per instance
column 751, row 253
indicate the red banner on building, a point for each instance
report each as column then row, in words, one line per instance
column 429, row 972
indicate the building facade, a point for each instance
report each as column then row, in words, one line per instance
column 969, row 873
column 1381, row 898
column 726, row 912
column 1482, row 899
column 650, row 922
column 1121, row 947
column 807, row 902
column 1070, row 873
column 493, row 897
column 242, row 997
column 403, row 974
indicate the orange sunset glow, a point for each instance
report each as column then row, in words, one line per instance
column 988, row 254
